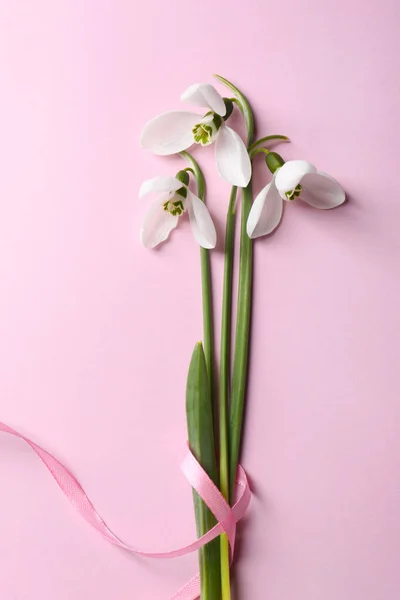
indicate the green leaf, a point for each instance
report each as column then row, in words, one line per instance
column 199, row 413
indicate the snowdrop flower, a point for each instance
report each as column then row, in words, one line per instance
column 296, row 179
column 174, row 131
column 174, row 199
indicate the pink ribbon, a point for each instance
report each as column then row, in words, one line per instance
column 226, row 516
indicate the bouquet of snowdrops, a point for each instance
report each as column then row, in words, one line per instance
column 173, row 133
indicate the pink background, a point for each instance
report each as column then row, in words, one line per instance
column 96, row 333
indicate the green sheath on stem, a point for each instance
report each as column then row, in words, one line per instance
column 199, row 414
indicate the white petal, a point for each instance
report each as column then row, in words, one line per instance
column 201, row 222
column 159, row 184
column 157, row 225
column 321, row 191
column 204, row 94
column 170, row 132
column 290, row 175
column 265, row 213
column 233, row 162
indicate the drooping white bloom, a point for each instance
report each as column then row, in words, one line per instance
column 296, row 179
column 174, row 199
column 174, row 131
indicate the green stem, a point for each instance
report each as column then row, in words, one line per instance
column 239, row 377
column 259, row 151
column 224, row 376
column 268, row 138
column 245, row 108
column 224, row 381
column 205, row 278
column 207, row 315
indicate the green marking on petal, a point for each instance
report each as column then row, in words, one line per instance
column 204, row 133
column 174, row 206
column 293, row 194
column 201, row 134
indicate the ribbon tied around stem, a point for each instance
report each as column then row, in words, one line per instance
column 227, row 516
